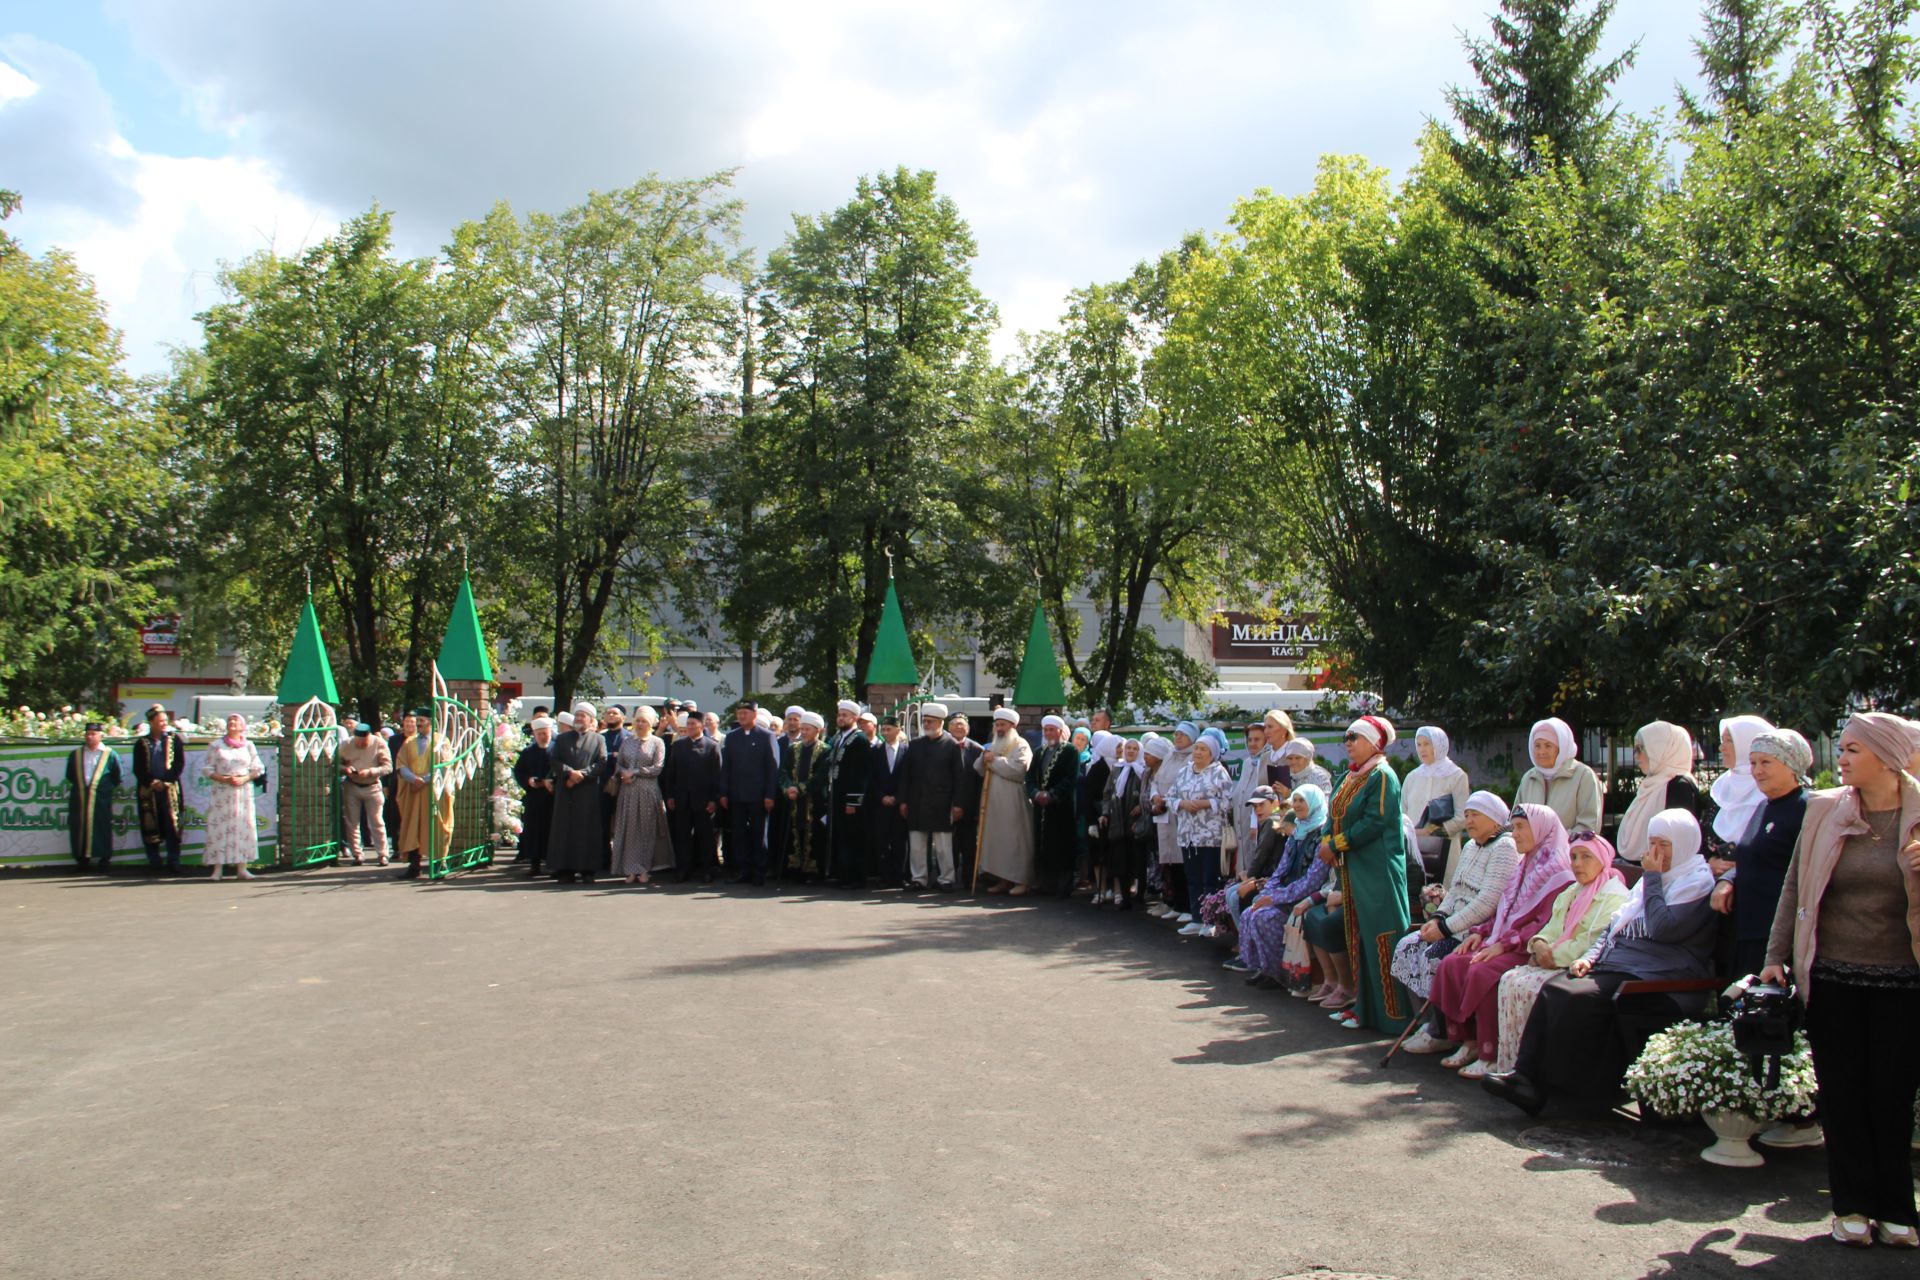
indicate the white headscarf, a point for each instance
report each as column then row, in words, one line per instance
column 1669, row 751
column 585, row 711
column 1561, row 732
column 1443, row 769
column 1105, row 746
column 1688, row 880
column 1735, row 791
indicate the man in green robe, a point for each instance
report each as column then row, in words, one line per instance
column 1369, row 850
column 93, row 775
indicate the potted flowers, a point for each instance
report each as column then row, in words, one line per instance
column 1694, row 1067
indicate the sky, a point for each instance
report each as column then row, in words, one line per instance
column 157, row 139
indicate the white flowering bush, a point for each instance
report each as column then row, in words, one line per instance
column 507, row 794
column 1694, row 1067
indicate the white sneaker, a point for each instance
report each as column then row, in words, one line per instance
column 1157, row 910
column 1853, row 1230
column 1423, row 1041
column 1785, row 1135
column 1192, row 930
column 1186, row 917
column 1209, row 931
column 245, row 874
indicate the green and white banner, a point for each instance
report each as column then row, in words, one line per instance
column 33, row 802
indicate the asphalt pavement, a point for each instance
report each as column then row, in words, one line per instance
column 327, row 1073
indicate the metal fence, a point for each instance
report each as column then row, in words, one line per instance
column 460, row 774
column 310, row 788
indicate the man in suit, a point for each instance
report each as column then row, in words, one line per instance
column 691, row 783
column 157, row 762
column 846, row 797
column 886, row 829
column 931, row 782
column 966, row 829
column 750, row 778
column 613, row 725
column 1051, row 782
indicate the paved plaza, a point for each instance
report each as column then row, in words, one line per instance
column 331, row 1074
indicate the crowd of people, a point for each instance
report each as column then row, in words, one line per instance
column 1511, row 936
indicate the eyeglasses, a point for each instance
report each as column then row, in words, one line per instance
column 1352, row 737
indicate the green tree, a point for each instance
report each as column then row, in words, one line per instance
column 620, row 336
column 873, row 355
column 85, row 517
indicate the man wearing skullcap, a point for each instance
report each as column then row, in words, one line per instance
column 576, row 846
column 1050, row 784
column 966, row 829
column 691, row 785
column 364, row 761
column 157, row 765
column 886, row 830
column 846, row 797
column 1006, row 839
column 932, row 780
column 93, row 775
column 803, row 787
column 426, row 820
column 533, row 770
column 750, row 779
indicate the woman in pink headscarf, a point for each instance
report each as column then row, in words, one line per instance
column 1466, row 986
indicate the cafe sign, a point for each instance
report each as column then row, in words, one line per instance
column 1251, row 637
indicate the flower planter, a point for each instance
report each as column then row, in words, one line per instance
column 1732, row 1131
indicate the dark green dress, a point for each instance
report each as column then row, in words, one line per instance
column 1367, row 834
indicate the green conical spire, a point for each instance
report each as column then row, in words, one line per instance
column 1039, row 683
column 308, row 674
column 463, row 654
column 892, row 661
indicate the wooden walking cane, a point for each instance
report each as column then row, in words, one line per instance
column 980, row 835
column 1407, row 1030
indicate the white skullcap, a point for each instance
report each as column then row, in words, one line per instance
column 1053, row 722
column 1007, row 714
column 541, row 722
column 796, row 711
column 763, row 718
column 813, row 718
column 933, row 709
column 868, row 715
column 564, row 718
column 586, row 709
column 848, row 705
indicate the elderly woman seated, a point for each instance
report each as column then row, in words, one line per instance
column 1298, row 756
column 1273, row 828
column 1266, row 922
column 1581, row 915
column 1479, row 878
column 1579, row 1037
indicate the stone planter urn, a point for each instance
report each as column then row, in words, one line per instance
column 1732, row 1131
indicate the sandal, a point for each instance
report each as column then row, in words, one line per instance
column 1348, row 1019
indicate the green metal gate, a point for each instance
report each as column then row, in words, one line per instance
column 310, row 831
column 459, row 773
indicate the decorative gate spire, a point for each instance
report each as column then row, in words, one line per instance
column 1039, row 684
column 309, row 674
column 463, row 653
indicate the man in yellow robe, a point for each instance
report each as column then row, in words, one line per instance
column 418, row 753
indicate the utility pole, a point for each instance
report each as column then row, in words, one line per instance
column 747, row 662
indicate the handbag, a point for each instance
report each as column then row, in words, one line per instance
column 1438, row 812
column 1442, row 949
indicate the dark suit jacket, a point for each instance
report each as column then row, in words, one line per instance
column 691, row 776
column 970, row 753
column 931, row 782
column 142, row 749
column 849, row 780
column 750, row 766
column 882, row 779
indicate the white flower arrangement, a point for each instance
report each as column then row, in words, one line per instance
column 1694, row 1068
column 506, row 797
column 69, row 725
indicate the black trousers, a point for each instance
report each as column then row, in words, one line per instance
column 887, row 839
column 691, row 828
column 1579, row 1040
column 1866, row 1053
column 966, row 834
column 747, row 840
column 849, row 834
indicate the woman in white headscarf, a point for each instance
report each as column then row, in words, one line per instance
column 1434, row 799
column 1558, row 779
column 1736, row 797
column 1663, row 753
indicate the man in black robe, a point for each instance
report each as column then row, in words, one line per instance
column 886, row 830
column 932, row 778
column 966, row 830
column 93, row 775
column 576, row 847
column 846, row 798
column 533, row 770
column 750, row 778
column 691, row 784
column 157, row 762
column 1051, row 780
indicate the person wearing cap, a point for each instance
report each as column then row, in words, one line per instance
column 886, row 830
column 426, row 820
column 932, row 780
column 157, row 763
column 1264, row 851
column 576, row 850
column 93, row 776
column 803, row 788
column 750, row 779
column 1366, row 843
column 1006, row 837
column 533, row 770
column 1052, row 778
column 691, row 785
column 846, row 797
column 966, row 828
column 364, row 762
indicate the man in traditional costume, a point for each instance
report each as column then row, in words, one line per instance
column 576, row 845
column 779, row 829
column 1051, row 781
column 932, row 780
column 1006, row 840
column 846, row 797
column 93, row 775
column 613, row 725
column 157, row 762
column 691, row 785
column 750, row 779
column 426, row 821
column 364, row 761
column 533, row 770
column 803, row 783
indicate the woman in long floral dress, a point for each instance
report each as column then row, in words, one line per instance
column 230, row 766
column 639, row 819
